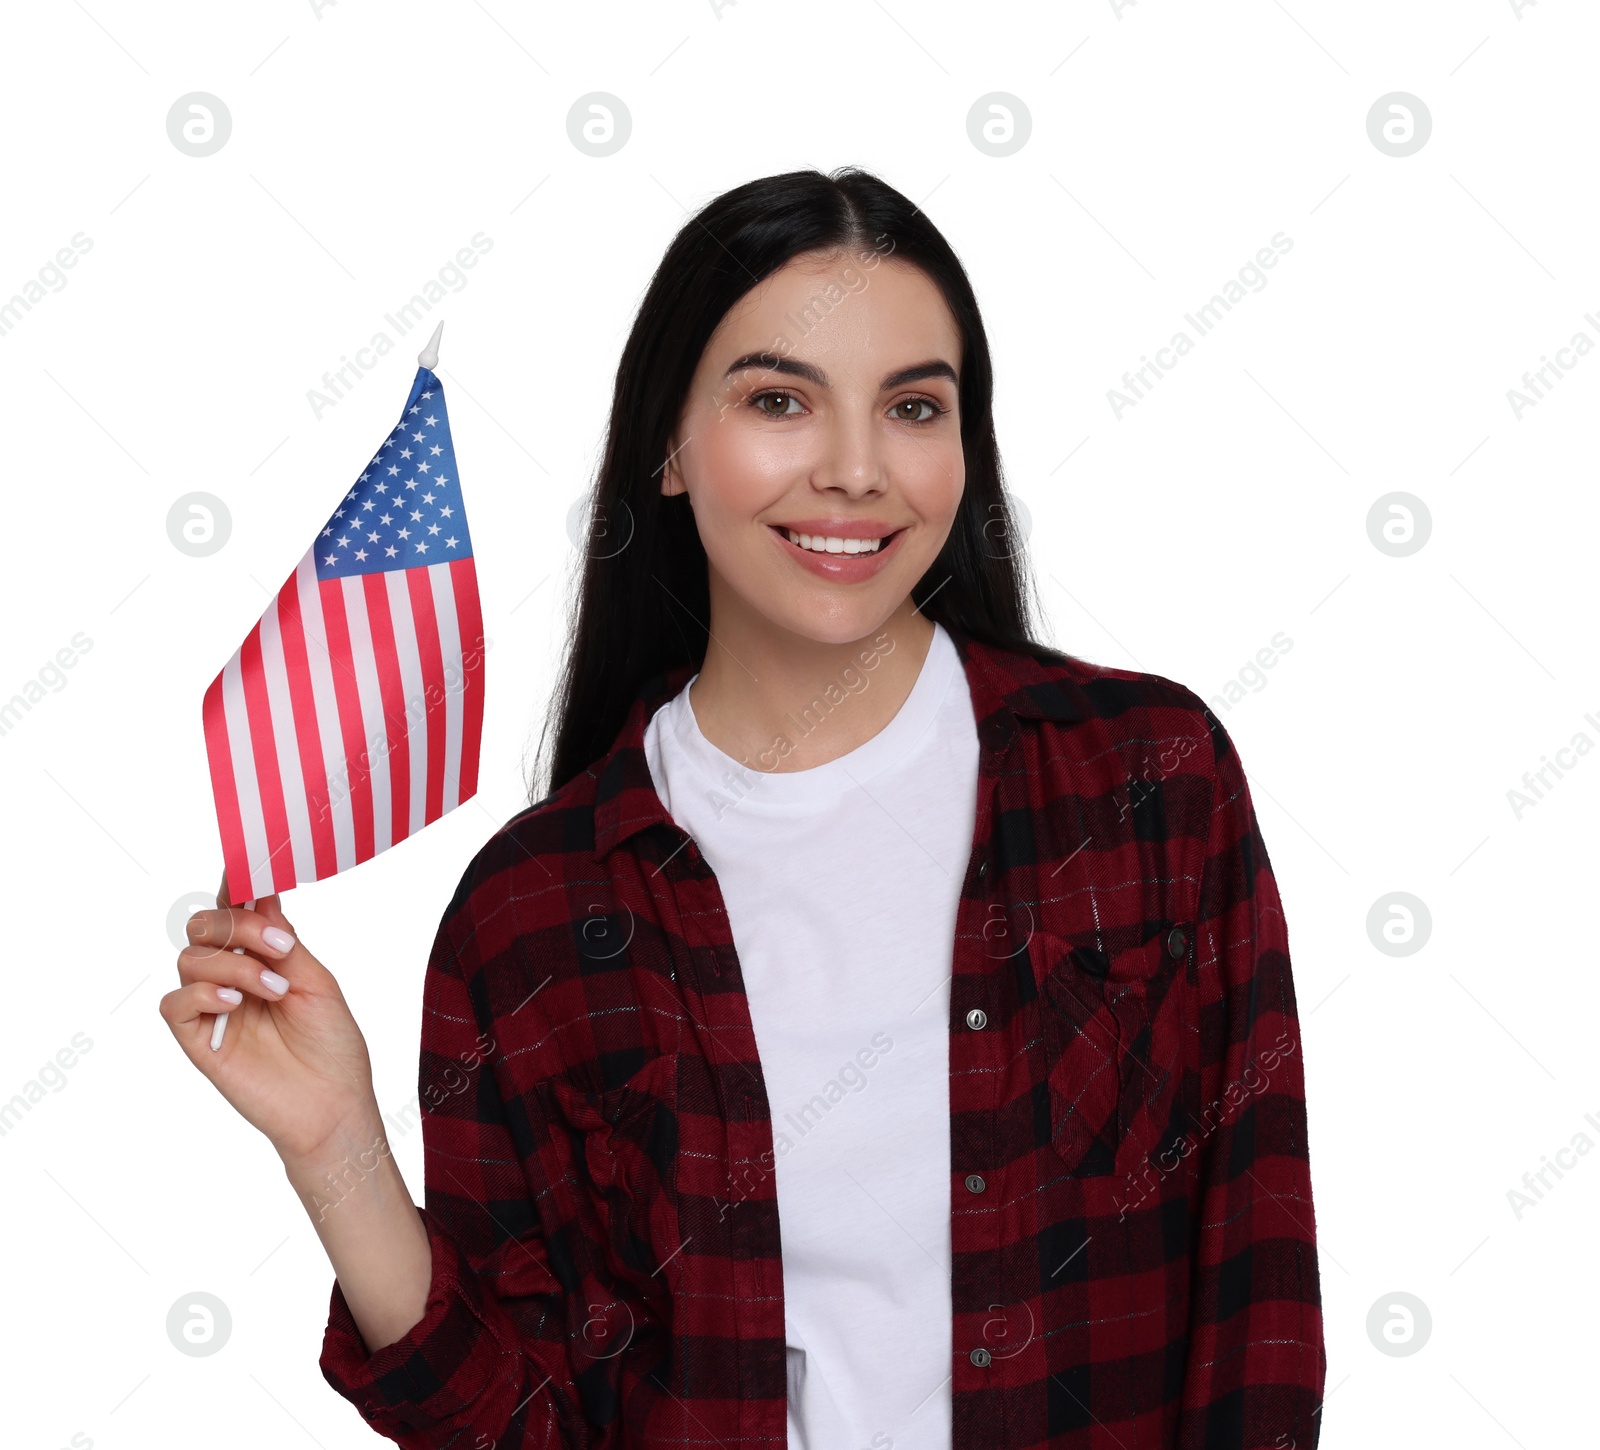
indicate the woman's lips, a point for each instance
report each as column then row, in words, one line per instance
column 840, row 568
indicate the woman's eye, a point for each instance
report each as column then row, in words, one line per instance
column 761, row 399
column 933, row 410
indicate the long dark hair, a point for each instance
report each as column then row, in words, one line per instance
column 643, row 606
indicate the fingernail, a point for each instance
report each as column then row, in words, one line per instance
column 230, row 995
column 192, row 927
column 276, row 938
column 273, row 982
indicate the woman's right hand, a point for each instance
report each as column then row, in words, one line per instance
column 292, row 1060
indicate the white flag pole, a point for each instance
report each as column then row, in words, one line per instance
column 429, row 356
column 220, row 1025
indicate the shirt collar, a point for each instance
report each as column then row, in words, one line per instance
column 1006, row 685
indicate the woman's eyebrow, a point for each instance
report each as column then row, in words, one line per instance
column 771, row 362
column 938, row 368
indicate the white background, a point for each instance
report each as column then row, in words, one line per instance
column 1169, row 142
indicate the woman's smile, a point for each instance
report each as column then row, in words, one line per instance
column 838, row 555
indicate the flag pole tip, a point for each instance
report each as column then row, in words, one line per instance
column 429, row 356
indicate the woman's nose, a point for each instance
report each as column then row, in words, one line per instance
column 852, row 455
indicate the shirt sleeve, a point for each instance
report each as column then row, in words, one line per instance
column 465, row 1375
column 1257, row 1365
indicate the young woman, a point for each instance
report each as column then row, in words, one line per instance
column 882, row 1032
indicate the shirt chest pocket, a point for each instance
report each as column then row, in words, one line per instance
column 1110, row 1024
column 615, row 1174
column 625, row 1138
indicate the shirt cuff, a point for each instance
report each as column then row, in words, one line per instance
column 422, row 1389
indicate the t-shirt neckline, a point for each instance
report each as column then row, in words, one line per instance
column 820, row 784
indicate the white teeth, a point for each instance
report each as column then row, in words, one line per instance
column 827, row 544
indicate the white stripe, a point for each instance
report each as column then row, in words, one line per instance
column 244, row 779
column 406, row 651
column 327, row 701
column 286, row 739
column 375, row 736
column 444, row 608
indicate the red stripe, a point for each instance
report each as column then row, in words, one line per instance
column 427, row 623
column 337, row 628
column 313, row 768
column 235, row 858
column 392, row 691
column 469, row 616
column 264, row 746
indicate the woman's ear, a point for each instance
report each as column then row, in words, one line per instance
column 671, row 477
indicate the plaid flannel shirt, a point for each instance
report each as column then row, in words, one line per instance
column 1134, row 1253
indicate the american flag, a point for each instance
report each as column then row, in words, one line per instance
column 351, row 715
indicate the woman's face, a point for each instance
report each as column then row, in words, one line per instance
column 825, row 405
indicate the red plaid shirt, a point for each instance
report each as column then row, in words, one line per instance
column 1134, row 1252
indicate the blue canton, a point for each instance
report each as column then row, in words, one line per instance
column 405, row 511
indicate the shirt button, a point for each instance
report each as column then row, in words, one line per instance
column 974, row 1183
column 1092, row 961
column 1177, row 942
column 979, row 1357
column 983, row 868
column 977, row 1018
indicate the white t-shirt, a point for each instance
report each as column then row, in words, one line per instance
column 841, row 884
